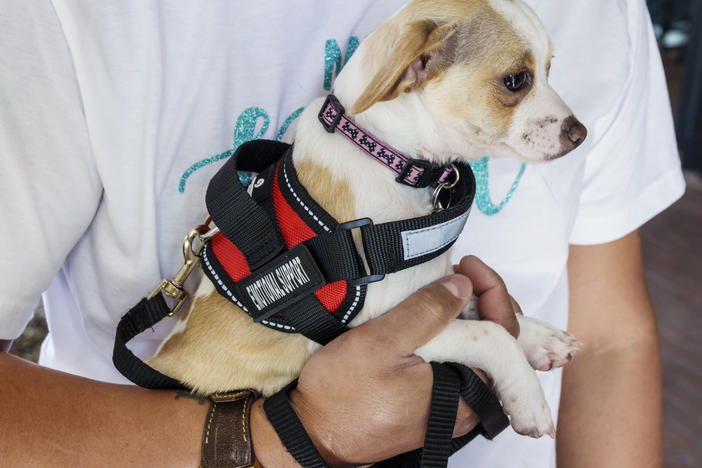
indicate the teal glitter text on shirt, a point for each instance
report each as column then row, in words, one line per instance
column 332, row 58
column 244, row 130
column 482, row 191
column 247, row 122
column 286, row 124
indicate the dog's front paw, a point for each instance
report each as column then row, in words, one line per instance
column 546, row 347
column 526, row 406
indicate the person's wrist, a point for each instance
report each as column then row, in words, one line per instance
column 323, row 437
column 269, row 450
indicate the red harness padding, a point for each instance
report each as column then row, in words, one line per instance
column 294, row 231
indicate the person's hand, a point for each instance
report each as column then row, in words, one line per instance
column 365, row 396
column 494, row 302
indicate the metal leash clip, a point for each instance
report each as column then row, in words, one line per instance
column 173, row 288
column 435, row 203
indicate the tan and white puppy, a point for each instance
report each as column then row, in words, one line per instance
column 442, row 80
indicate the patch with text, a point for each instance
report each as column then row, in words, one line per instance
column 281, row 282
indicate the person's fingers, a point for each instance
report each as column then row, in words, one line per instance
column 494, row 302
column 421, row 316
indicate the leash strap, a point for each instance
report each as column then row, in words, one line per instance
column 438, row 445
column 442, row 416
column 482, row 401
column 290, row 430
column 413, row 172
column 139, row 318
column 451, row 380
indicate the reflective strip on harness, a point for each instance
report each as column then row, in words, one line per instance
column 424, row 241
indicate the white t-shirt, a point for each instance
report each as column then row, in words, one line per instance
column 114, row 115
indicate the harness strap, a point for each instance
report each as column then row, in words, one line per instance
column 311, row 319
column 329, row 254
column 228, row 203
column 392, row 246
column 395, row 246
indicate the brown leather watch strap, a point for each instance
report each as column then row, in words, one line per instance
column 226, row 439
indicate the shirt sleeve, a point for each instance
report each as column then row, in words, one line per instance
column 50, row 188
column 632, row 172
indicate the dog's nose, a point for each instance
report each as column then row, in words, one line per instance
column 573, row 132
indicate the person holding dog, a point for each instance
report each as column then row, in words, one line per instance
column 112, row 117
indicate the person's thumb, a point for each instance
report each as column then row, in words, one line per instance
column 422, row 315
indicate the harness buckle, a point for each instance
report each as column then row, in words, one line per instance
column 173, row 288
column 334, row 103
column 358, row 224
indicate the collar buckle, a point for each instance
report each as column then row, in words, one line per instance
column 331, row 113
column 429, row 176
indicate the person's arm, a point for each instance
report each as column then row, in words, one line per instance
column 363, row 397
column 50, row 418
column 611, row 402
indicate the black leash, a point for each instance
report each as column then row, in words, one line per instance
column 451, row 381
column 142, row 316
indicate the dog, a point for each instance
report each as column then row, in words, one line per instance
column 441, row 81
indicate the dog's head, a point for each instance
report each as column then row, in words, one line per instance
column 462, row 78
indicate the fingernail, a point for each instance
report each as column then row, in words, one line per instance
column 459, row 285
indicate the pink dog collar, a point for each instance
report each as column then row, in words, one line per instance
column 413, row 172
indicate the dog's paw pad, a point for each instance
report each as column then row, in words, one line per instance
column 545, row 346
column 524, row 402
column 531, row 418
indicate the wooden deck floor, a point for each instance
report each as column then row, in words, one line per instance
column 672, row 245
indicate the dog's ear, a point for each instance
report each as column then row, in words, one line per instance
column 406, row 64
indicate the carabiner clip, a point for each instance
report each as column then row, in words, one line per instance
column 173, row 288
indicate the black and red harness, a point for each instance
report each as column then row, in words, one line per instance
column 279, row 256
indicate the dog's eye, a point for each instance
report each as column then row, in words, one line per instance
column 517, row 81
